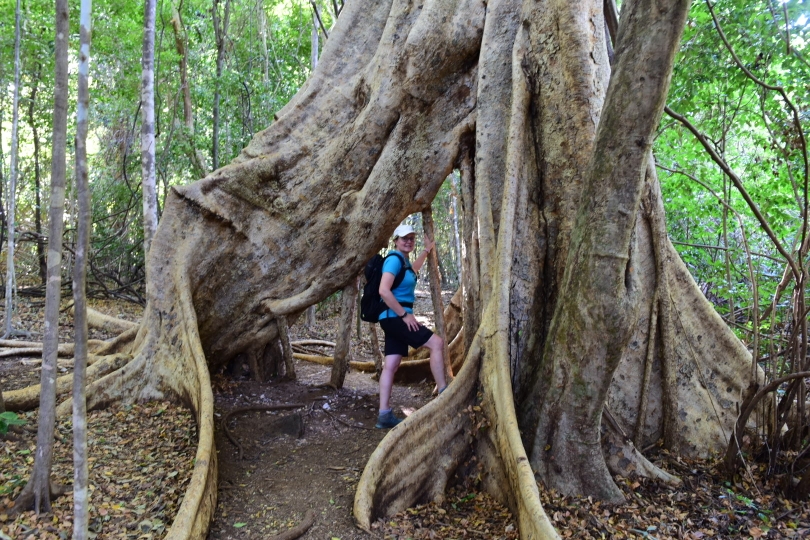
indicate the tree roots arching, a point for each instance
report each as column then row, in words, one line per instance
column 565, row 251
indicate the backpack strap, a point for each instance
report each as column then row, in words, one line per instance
column 401, row 274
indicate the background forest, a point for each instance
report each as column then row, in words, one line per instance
column 731, row 150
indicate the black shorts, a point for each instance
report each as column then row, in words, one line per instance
column 398, row 337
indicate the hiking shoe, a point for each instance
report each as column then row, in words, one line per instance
column 387, row 420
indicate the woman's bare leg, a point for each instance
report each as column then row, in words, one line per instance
column 436, row 346
column 390, row 366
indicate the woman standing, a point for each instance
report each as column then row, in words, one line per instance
column 398, row 322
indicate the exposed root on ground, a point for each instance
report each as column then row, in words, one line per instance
column 299, row 530
column 624, row 459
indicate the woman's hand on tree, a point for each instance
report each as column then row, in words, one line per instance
column 429, row 244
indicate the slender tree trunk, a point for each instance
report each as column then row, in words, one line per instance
column 32, row 104
column 314, row 39
column 37, row 492
column 263, row 35
column 436, row 288
column 2, row 185
column 221, row 35
column 344, row 339
column 456, row 237
column 12, row 187
column 81, row 497
column 286, row 349
column 180, row 41
column 375, row 350
column 150, row 218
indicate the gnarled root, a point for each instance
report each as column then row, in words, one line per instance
column 113, row 325
column 624, row 459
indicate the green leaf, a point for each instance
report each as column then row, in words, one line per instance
column 239, row 524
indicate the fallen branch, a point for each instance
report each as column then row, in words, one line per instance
column 313, row 342
column 27, row 351
column 365, row 367
column 345, row 423
column 28, row 398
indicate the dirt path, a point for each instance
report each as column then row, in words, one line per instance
column 289, row 467
column 282, row 474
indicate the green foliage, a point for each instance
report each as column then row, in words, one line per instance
column 8, row 419
column 250, row 96
column 753, row 130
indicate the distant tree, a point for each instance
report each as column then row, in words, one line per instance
column 148, row 180
column 39, row 489
column 11, row 212
column 81, row 496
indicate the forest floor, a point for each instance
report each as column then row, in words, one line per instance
column 311, row 458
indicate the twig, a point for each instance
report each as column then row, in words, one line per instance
column 356, row 426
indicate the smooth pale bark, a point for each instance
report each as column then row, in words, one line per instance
column 12, row 187
column 456, row 237
column 150, row 217
column 81, row 497
column 512, row 95
column 37, row 492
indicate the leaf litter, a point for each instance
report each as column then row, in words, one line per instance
column 140, row 462
column 142, row 457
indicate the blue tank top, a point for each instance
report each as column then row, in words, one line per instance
column 406, row 292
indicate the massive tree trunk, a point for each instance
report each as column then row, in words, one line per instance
column 512, row 93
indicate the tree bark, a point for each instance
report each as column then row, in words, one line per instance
column 436, row 289
column 344, row 339
column 37, row 492
column 314, row 42
column 286, row 349
column 81, row 498
column 262, row 19
column 180, row 42
column 11, row 212
column 150, row 217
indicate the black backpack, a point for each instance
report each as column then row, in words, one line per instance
column 371, row 305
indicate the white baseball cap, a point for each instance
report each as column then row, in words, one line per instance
column 403, row 230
